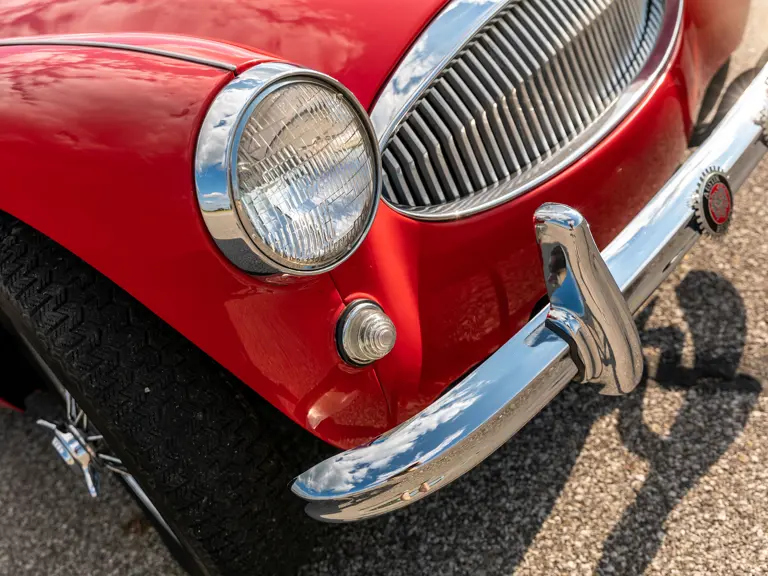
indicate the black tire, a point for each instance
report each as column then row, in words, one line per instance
column 214, row 459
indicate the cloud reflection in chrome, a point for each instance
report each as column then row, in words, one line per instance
column 211, row 158
column 419, row 440
column 434, row 48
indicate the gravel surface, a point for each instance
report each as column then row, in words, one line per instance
column 668, row 480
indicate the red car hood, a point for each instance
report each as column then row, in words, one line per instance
column 358, row 42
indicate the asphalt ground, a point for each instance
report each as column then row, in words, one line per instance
column 671, row 479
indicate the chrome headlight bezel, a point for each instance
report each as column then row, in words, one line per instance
column 216, row 166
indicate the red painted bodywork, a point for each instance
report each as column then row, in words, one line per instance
column 97, row 147
column 357, row 42
column 97, row 151
column 4, row 404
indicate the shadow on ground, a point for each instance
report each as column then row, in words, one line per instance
column 485, row 522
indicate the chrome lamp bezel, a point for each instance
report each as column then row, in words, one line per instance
column 216, row 166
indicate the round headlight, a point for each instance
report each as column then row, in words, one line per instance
column 305, row 175
column 303, row 170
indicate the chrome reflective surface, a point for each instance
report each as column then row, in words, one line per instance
column 117, row 46
column 451, row 436
column 78, row 443
column 365, row 333
column 134, row 487
column 535, row 87
column 650, row 248
column 586, row 307
column 494, row 401
column 74, row 454
column 436, row 46
column 215, row 158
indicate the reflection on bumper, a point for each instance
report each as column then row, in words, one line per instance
column 489, row 406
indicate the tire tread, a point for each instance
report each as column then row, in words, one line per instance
column 213, row 458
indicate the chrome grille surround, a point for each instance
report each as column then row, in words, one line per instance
column 497, row 96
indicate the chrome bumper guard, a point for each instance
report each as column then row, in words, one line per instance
column 587, row 333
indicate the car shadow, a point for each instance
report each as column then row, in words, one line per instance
column 703, row 429
column 487, row 520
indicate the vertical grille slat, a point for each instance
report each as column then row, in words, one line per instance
column 424, row 165
column 563, row 75
column 471, row 139
column 395, row 178
column 535, row 77
column 606, row 24
column 471, row 92
column 435, row 154
column 520, row 95
column 519, row 129
column 386, row 188
column 458, row 131
column 517, row 52
column 597, row 35
column 624, row 36
column 593, row 46
column 556, row 101
column 504, row 160
column 409, row 170
column 571, row 49
column 531, row 97
column 447, row 141
column 505, row 128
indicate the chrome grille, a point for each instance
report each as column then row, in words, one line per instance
column 533, row 80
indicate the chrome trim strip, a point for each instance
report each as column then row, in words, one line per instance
column 134, row 487
column 119, row 46
column 445, row 36
column 386, row 118
column 215, row 157
column 492, row 403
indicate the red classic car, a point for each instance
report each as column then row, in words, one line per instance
column 402, row 226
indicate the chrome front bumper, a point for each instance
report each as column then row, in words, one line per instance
column 586, row 333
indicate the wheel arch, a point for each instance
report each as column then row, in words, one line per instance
column 98, row 144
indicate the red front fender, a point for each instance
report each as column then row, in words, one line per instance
column 97, row 147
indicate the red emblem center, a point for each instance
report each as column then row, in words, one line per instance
column 720, row 203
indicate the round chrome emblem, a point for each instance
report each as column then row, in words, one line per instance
column 714, row 203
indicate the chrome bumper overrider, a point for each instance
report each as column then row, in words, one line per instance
column 587, row 333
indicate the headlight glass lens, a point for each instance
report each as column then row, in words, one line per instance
column 305, row 181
